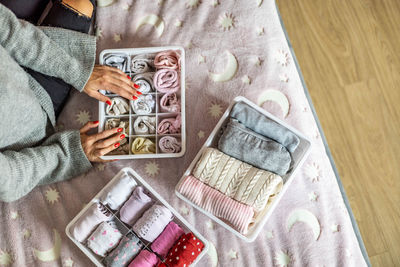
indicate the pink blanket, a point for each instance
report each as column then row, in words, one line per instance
column 32, row 229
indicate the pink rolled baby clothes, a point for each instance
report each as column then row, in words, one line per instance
column 168, row 60
column 145, row 259
column 133, row 209
column 166, row 81
column 169, row 144
column 153, row 222
column 104, row 239
column 238, row 215
column 170, row 103
column 170, row 125
column 167, row 239
column 86, row 223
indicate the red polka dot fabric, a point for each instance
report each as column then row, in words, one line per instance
column 184, row 252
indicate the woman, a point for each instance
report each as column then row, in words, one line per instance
column 38, row 68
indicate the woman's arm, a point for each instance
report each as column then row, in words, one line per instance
column 57, row 52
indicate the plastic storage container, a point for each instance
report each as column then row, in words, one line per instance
column 157, row 113
column 298, row 156
column 125, row 229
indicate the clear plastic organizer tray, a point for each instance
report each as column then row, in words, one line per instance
column 157, row 113
column 298, row 156
column 126, row 229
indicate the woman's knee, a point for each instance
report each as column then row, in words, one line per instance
column 82, row 7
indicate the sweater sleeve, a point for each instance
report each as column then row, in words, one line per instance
column 56, row 52
column 58, row 158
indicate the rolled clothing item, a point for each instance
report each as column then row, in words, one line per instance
column 118, row 192
column 237, row 214
column 145, row 81
column 104, row 239
column 237, row 179
column 116, row 60
column 145, row 259
column 143, row 105
column 128, row 248
column 117, row 123
column 136, row 205
column 166, row 81
column 141, row 145
column 170, row 125
column 167, row 239
column 260, row 124
column 142, row 63
column 118, row 106
column 169, row 144
column 170, row 103
column 153, row 222
column 243, row 144
column 123, row 149
column 145, row 125
column 168, row 60
column 86, row 223
column 185, row 251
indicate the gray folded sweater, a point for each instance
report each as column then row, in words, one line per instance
column 31, row 152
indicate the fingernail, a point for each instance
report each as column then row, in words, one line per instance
column 138, row 92
column 134, row 97
column 108, row 102
column 115, row 159
column 136, row 86
column 122, row 136
column 119, row 130
column 117, row 144
column 96, row 122
column 128, row 77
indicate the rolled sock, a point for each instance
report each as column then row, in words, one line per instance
column 168, row 60
column 184, row 252
column 86, row 223
column 243, row 144
column 170, row 103
column 153, row 222
column 166, row 81
column 123, row 149
column 170, row 125
column 118, row 192
column 145, row 259
column 105, row 238
column 116, row 60
column 145, row 125
column 127, row 249
column 167, row 239
column 238, row 215
column 118, row 106
column 260, row 124
column 133, row 209
column 237, row 179
column 169, row 144
column 142, row 63
column 145, row 81
column 143, row 105
column 117, row 123
column 141, row 145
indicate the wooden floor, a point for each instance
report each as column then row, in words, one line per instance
column 349, row 53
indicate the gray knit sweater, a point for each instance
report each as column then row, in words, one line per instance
column 31, row 152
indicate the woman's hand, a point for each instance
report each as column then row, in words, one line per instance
column 97, row 145
column 113, row 80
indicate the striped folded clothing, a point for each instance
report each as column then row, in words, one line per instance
column 238, row 215
column 236, row 179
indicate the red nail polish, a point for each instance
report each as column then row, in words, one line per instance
column 128, row 77
column 134, row 97
column 122, row 136
column 136, row 86
column 119, row 130
column 138, row 92
column 116, row 145
column 108, row 102
column 96, row 122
